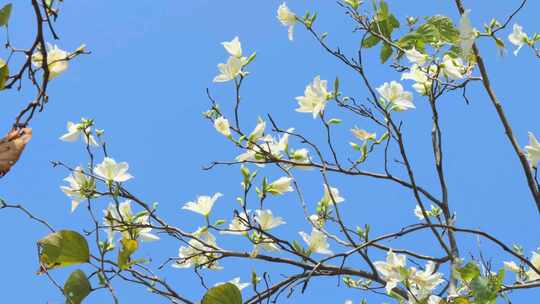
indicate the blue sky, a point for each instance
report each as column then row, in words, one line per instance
column 145, row 82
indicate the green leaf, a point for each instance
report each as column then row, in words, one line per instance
column 128, row 248
column 386, row 52
column 223, row 294
column 334, row 121
column 4, row 73
column 76, row 287
column 484, row 291
column 469, row 272
column 5, row 13
column 370, row 41
column 63, row 248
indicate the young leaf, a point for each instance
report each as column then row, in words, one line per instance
column 63, row 248
column 76, row 287
column 386, row 52
column 128, row 248
column 469, row 272
column 223, row 294
column 370, row 41
column 4, row 73
column 334, row 121
column 5, row 13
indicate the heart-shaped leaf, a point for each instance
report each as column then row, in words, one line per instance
column 63, row 248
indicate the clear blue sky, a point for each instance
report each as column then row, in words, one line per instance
column 145, row 85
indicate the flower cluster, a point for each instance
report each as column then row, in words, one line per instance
column 419, row 283
column 234, row 66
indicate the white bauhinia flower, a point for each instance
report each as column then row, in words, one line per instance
column 395, row 96
column 120, row 218
column 57, row 60
column 81, row 186
column 417, row 74
column 425, row 281
column 300, row 155
column 467, row 34
column 418, row 213
column 203, row 205
column 280, row 186
column 363, row 134
column 236, row 282
column 512, row 266
column 533, row 150
column 111, row 171
column 238, row 225
column 266, row 219
column 76, row 130
column 222, row 126
column 328, row 199
column 416, row 57
column 316, row 241
column 230, row 70
column 287, row 18
column 434, row 299
column 257, row 132
column 392, row 270
column 518, row 38
column 452, row 68
column 532, row 275
column 198, row 252
column 233, row 47
column 315, row 97
column 264, row 243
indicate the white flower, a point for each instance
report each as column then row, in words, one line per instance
column 236, row 282
column 392, row 270
column 315, row 97
column 198, row 252
column 512, row 266
column 222, row 126
column 425, row 281
column 434, row 299
column 280, row 186
column 258, row 132
column 418, row 213
column 327, row 199
column 57, row 60
column 109, row 170
column 233, row 47
column 435, row 211
column 316, row 242
column 228, row 71
column 203, row 205
column 80, row 187
column 301, row 156
column 394, row 94
column 531, row 274
column 287, row 18
column 533, row 150
column 264, row 243
column 238, row 225
column 452, row 68
column 363, row 134
column 120, row 218
column 423, row 83
column 416, row 57
column 518, row 38
column 75, row 130
column 266, row 220
column 467, row 34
